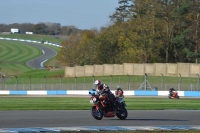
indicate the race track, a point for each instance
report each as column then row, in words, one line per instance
column 70, row 118
column 47, row 54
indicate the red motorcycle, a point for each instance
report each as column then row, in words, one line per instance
column 103, row 108
column 174, row 95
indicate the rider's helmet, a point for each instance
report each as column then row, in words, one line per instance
column 97, row 85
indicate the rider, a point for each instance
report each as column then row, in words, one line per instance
column 171, row 91
column 104, row 92
column 119, row 92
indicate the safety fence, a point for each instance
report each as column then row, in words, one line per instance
column 126, row 82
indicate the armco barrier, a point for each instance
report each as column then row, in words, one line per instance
column 192, row 93
column 86, row 92
column 146, row 93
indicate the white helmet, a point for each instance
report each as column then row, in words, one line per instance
column 97, row 84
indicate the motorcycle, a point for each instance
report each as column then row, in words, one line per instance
column 174, row 95
column 103, row 108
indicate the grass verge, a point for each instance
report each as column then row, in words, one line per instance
column 82, row 103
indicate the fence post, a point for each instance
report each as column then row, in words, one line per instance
column 111, row 81
column 16, row 82
column 146, row 79
column 60, row 82
column 93, row 77
column 3, row 78
column 198, row 82
column 30, row 82
column 179, row 82
column 162, row 81
column 45, row 82
column 128, row 82
column 75, row 82
column 145, row 83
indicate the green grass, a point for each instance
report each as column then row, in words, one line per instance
column 33, row 37
column 117, row 79
column 162, row 103
column 82, row 103
column 41, row 73
column 14, row 56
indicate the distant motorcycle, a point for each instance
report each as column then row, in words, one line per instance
column 174, row 95
column 103, row 108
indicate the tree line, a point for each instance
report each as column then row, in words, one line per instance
column 141, row 31
column 41, row 28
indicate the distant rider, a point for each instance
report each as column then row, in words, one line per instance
column 119, row 92
column 171, row 90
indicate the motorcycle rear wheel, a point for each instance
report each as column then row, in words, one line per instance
column 122, row 113
column 96, row 113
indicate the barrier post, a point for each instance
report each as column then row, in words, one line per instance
column 145, row 84
column 16, row 84
column 45, row 80
column 93, row 77
column 3, row 78
column 162, row 81
column 128, row 82
column 198, row 82
column 30, row 82
column 179, row 82
column 60, row 82
column 75, row 82
column 111, row 81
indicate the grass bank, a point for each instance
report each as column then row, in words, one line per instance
column 34, row 37
column 14, row 56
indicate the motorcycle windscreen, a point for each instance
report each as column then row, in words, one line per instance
column 92, row 92
column 120, row 99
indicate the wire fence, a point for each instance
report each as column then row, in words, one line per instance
column 127, row 82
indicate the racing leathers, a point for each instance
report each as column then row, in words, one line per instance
column 171, row 91
column 104, row 91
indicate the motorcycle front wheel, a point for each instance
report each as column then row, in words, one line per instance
column 98, row 115
column 122, row 114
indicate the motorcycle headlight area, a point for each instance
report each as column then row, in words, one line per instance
column 93, row 100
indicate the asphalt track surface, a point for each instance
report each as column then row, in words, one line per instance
column 47, row 54
column 72, row 118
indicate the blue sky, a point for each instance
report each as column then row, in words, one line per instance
column 84, row 14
